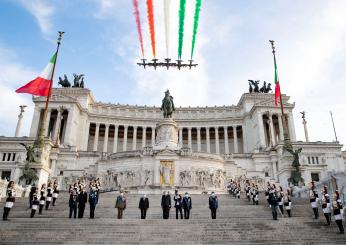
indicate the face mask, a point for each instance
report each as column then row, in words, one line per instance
column 213, row 194
column 145, row 196
column 121, row 194
column 187, row 195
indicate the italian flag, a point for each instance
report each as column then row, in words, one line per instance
column 277, row 84
column 42, row 85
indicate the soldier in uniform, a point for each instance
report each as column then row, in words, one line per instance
column 165, row 204
column 338, row 212
column 92, row 201
column 55, row 192
column 213, row 205
column 326, row 205
column 11, row 198
column 287, row 202
column 49, row 194
column 35, row 204
column 178, row 205
column 120, row 204
column 143, row 206
column 314, row 199
column 42, row 198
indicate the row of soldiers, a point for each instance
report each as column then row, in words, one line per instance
column 328, row 206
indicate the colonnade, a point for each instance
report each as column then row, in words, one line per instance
column 105, row 137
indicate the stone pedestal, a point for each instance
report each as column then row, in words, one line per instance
column 167, row 135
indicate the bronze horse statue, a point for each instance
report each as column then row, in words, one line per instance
column 167, row 105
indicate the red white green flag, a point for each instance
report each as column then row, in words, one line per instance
column 42, row 85
column 277, row 84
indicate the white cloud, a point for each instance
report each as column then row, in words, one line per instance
column 13, row 74
column 42, row 11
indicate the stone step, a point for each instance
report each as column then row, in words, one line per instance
column 237, row 222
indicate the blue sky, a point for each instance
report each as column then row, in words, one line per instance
column 232, row 46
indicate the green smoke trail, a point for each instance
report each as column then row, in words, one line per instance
column 181, row 27
column 195, row 25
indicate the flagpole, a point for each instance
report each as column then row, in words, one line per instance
column 331, row 115
column 40, row 139
column 287, row 141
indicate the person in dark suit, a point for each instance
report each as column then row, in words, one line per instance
column 73, row 204
column 187, row 205
column 178, row 205
column 82, row 200
column 213, row 205
column 166, row 204
column 120, row 204
column 143, row 206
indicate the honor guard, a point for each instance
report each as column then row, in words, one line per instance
column 314, row 199
column 49, row 194
column 338, row 212
column 11, row 197
column 55, row 192
column 326, row 205
column 35, row 204
column 42, row 198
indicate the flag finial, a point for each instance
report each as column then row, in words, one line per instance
column 272, row 43
column 60, row 36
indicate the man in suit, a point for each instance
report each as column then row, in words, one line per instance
column 166, row 204
column 187, row 205
column 120, row 205
column 178, row 205
column 143, row 206
column 82, row 200
column 213, row 205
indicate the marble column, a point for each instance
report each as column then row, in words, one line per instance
column 152, row 136
column 261, row 130
column 20, row 119
column 291, row 126
column 115, row 141
column 105, row 140
column 181, row 137
column 189, row 138
column 217, row 144
column 274, row 170
column 199, row 139
column 144, row 136
column 281, row 133
column 46, row 124
column 86, row 136
column 125, row 138
column 57, row 126
column 134, row 138
column 235, row 139
column 35, row 122
column 226, row 140
column 96, row 138
column 208, row 139
column 271, row 128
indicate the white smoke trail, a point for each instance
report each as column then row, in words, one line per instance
column 166, row 8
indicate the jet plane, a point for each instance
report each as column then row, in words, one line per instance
column 143, row 63
column 191, row 65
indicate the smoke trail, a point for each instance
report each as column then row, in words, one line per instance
column 150, row 10
column 139, row 29
column 195, row 25
column 181, row 27
column 166, row 8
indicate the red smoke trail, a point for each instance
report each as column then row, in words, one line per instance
column 138, row 21
column 150, row 10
